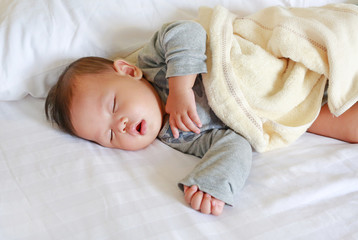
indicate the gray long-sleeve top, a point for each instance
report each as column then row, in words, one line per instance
column 178, row 49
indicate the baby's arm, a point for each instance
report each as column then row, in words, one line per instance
column 222, row 171
column 176, row 53
column 181, row 105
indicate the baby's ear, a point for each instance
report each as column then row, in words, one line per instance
column 126, row 69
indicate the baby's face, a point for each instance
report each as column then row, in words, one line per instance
column 116, row 111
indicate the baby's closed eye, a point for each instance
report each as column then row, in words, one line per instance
column 114, row 104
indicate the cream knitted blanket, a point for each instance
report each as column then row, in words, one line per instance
column 268, row 71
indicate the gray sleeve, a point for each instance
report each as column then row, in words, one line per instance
column 225, row 164
column 178, row 49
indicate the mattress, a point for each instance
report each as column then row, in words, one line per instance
column 56, row 186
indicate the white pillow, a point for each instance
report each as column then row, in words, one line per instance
column 39, row 38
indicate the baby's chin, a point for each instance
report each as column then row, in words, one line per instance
column 138, row 144
column 136, row 147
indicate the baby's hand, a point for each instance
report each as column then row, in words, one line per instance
column 203, row 202
column 182, row 110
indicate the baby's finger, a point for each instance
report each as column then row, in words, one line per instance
column 206, row 204
column 190, row 125
column 217, row 206
column 180, row 124
column 176, row 123
column 195, row 118
column 196, row 200
column 189, row 193
column 173, row 127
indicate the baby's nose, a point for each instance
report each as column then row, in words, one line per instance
column 122, row 124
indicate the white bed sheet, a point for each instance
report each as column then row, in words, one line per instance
column 54, row 186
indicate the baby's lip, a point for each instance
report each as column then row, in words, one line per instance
column 139, row 128
column 142, row 127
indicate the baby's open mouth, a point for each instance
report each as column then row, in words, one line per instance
column 141, row 127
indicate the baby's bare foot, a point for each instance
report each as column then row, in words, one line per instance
column 203, row 202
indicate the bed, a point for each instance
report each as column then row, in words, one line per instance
column 55, row 186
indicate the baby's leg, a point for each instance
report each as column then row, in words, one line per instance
column 203, row 202
column 344, row 127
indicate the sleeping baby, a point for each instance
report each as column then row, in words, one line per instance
column 119, row 104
